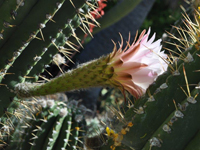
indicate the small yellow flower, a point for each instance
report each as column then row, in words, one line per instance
column 130, row 124
column 123, row 131
column 77, row 128
column 110, row 132
column 118, row 140
column 112, row 147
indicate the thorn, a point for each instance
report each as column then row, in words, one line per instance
column 58, row 66
column 70, row 44
column 21, row 3
column 6, row 24
column 27, row 77
column 44, row 78
column 33, row 144
column 175, row 104
column 74, row 35
column 72, row 3
column 48, row 72
column 52, row 41
column 189, row 95
column 42, row 34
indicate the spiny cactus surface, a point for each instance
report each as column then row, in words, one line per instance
column 31, row 33
column 56, row 126
column 166, row 116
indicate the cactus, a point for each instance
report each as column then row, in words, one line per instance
column 62, row 29
column 57, row 125
column 166, row 116
column 37, row 30
column 32, row 32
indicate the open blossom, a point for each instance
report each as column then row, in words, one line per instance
column 139, row 64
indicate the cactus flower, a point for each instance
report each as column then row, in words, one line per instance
column 132, row 69
column 138, row 65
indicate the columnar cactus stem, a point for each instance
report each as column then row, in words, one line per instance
column 18, row 41
column 57, row 29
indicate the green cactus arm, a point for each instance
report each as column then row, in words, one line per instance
column 52, row 50
column 82, row 133
column 46, row 127
column 13, row 14
column 73, row 136
column 22, row 37
column 53, row 133
column 194, row 143
column 55, row 127
column 5, row 12
column 185, row 123
column 63, row 137
column 35, row 50
column 1, row 2
column 40, row 66
column 27, row 145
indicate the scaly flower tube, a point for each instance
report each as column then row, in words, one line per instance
column 132, row 69
column 139, row 64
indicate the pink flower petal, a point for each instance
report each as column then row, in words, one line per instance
column 138, row 65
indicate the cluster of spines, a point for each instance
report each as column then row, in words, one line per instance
column 56, row 126
column 181, row 121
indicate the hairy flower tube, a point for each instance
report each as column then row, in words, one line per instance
column 132, row 69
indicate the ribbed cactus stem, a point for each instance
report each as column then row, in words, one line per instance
column 91, row 74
